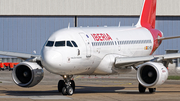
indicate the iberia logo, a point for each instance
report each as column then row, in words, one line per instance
column 101, row 37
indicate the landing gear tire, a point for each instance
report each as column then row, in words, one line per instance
column 152, row 90
column 142, row 89
column 64, row 92
column 69, row 90
column 61, row 84
column 73, row 85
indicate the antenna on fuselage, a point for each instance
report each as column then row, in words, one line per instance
column 119, row 24
column 34, row 51
column 68, row 25
column 132, row 24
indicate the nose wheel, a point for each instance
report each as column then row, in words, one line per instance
column 66, row 86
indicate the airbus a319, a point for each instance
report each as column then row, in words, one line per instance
column 99, row 51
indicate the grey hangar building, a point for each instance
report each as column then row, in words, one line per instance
column 25, row 25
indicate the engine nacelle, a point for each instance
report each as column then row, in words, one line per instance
column 152, row 74
column 27, row 74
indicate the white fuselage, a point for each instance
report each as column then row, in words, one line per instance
column 96, row 49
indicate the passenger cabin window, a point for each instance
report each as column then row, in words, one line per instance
column 69, row 44
column 60, row 43
column 75, row 45
column 50, row 43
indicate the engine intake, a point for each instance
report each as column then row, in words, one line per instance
column 27, row 74
column 152, row 74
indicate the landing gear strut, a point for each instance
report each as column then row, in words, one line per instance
column 66, row 86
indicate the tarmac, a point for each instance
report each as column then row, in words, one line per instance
column 88, row 88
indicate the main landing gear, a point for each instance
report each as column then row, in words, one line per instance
column 66, row 86
column 142, row 89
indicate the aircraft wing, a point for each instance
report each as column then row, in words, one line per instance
column 135, row 61
column 166, row 38
column 20, row 55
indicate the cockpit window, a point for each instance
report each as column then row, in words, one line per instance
column 75, row 45
column 50, row 43
column 69, row 44
column 60, row 43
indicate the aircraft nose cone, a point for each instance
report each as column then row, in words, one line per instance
column 51, row 60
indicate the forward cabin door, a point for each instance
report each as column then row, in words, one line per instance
column 86, row 40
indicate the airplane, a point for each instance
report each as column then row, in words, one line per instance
column 99, row 51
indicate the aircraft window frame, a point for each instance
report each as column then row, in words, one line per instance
column 74, row 44
column 70, row 44
column 60, row 45
column 51, row 44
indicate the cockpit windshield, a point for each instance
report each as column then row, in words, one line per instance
column 59, row 43
column 75, row 45
column 69, row 44
column 50, row 43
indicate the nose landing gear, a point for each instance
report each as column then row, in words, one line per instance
column 66, row 86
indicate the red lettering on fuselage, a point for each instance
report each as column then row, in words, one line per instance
column 101, row 37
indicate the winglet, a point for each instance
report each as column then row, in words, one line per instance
column 148, row 14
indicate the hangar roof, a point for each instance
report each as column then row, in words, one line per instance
column 84, row 7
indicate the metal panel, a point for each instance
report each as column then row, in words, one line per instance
column 170, row 26
column 107, row 21
column 26, row 34
column 84, row 7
